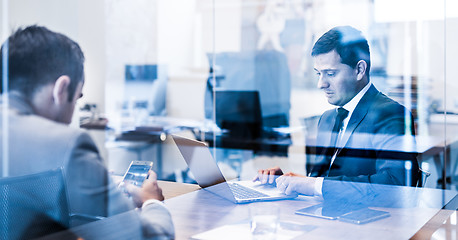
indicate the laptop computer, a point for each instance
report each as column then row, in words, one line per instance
column 208, row 175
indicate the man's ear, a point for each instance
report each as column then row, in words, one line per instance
column 361, row 68
column 60, row 90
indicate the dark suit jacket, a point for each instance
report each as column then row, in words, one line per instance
column 378, row 141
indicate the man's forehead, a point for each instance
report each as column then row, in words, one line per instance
column 327, row 61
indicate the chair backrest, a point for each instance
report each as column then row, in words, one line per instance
column 240, row 113
column 33, row 205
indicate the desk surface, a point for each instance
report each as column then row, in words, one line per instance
column 199, row 211
column 404, row 223
column 169, row 189
column 173, row 189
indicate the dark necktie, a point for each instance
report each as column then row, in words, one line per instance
column 330, row 150
column 341, row 115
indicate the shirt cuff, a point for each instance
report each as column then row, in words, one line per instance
column 318, row 190
column 151, row 201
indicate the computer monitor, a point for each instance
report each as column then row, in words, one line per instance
column 146, row 87
column 239, row 112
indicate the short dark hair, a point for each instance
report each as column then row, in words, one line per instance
column 38, row 56
column 348, row 42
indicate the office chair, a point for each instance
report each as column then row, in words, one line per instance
column 240, row 113
column 33, row 205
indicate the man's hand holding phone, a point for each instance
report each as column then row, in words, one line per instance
column 140, row 183
column 149, row 190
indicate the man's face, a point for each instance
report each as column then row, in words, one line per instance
column 337, row 80
column 67, row 109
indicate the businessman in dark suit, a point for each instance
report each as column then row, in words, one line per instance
column 367, row 138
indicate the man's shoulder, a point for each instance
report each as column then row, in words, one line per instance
column 328, row 112
column 327, row 116
column 41, row 128
column 383, row 103
column 33, row 137
column 377, row 102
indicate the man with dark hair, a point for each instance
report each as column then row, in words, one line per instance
column 45, row 73
column 367, row 138
column 33, row 54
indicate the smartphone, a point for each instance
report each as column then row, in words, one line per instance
column 136, row 173
column 362, row 216
column 328, row 211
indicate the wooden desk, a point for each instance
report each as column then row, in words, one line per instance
column 169, row 189
column 199, row 211
column 204, row 211
column 174, row 189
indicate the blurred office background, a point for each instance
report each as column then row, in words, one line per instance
column 155, row 65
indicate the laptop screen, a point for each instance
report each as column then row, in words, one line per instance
column 200, row 161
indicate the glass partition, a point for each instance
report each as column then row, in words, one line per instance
column 261, row 82
column 265, row 46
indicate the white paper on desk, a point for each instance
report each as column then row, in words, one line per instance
column 241, row 231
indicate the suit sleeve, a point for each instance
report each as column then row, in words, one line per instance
column 156, row 222
column 91, row 190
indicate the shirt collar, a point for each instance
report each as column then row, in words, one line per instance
column 351, row 105
column 19, row 103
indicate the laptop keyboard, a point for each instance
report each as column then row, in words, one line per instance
column 242, row 192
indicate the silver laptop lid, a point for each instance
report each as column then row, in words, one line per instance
column 202, row 165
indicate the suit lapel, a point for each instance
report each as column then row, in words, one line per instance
column 324, row 142
column 329, row 127
column 358, row 115
column 356, row 118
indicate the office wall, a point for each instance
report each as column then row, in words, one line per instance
column 131, row 39
column 185, row 60
column 205, row 31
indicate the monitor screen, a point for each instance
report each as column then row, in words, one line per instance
column 147, row 73
column 145, row 88
column 239, row 112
